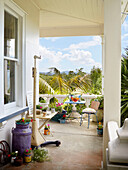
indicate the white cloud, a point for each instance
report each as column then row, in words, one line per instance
column 53, row 57
column 76, row 57
column 53, row 39
column 124, row 36
column 81, row 57
column 125, row 25
column 84, row 45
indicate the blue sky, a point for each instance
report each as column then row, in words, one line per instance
column 71, row 53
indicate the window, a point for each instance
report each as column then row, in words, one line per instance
column 10, row 56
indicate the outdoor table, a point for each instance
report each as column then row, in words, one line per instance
column 74, row 108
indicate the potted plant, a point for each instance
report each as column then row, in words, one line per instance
column 100, row 129
column 47, row 130
column 27, row 155
column 68, row 108
column 40, row 155
column 23, row 121
column 21, row 135
column 18, row 161
column 58, row 107
column 63, row 119
column 52, row 107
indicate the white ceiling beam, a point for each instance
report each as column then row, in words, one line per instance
column 72, row 31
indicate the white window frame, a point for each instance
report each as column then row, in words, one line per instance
column 20, row 88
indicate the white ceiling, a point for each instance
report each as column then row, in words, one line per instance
column 72, row 17
column 67, row 17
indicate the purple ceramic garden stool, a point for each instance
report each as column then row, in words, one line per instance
column 21, row 138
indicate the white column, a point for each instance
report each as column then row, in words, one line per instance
column 112, row 70
column 102, row 43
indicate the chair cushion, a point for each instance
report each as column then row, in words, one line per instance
column 89, row 110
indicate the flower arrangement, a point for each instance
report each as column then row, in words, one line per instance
column 64, row 116
column 58, row 107
column 47, row 127
column 24, row 121
column 27, row 155
column 28, row 150
column 39, row 107
column 47, row 130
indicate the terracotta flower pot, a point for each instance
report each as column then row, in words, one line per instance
column 18, row 161
column 46, row 132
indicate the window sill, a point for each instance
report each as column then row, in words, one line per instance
column 9, row 113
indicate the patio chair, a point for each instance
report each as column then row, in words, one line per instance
column 92, row 110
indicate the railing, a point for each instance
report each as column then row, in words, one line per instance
column 60, row 98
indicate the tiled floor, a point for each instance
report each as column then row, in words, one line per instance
column 80, row 149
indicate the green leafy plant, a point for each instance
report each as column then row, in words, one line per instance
column 58, row 107
column 52, row 105
column 39, row 107
column 124, row 87
column 80, row 107
column 46, row 127
column 40, row 155
column 44, row 109
column 42, row 100
column 68, row 108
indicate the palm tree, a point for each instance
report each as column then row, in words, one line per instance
column 79, row 82
column 57, row 82
column 44, row 87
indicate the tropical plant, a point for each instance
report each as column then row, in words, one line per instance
column 57, row 82
column 79, row 81
column 64, row 83
column 124, row 87
column 96, row 80
column 44, row 87
column 42, row 100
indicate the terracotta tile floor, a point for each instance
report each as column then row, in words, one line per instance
column 80, row 149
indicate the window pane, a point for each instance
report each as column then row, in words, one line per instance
column 10, row 35
column 9, row 81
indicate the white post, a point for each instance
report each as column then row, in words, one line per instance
column 112, row 70
column 102, row 43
